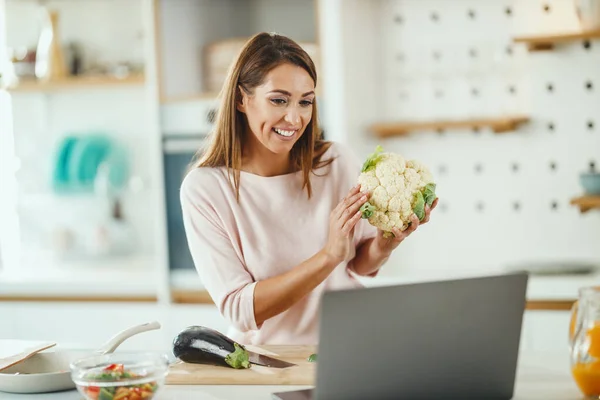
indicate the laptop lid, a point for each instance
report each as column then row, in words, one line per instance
column 444, row 339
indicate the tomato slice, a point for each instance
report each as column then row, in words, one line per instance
column 93, row 392
column 114, row 367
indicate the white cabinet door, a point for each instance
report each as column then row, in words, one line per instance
column 7, row 321
column 548, row 330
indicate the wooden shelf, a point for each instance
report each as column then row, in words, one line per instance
column 547, row 41
column 190, row 296
column 586, row 202
column 498, row 125
column 77, row 82
column 78, row 299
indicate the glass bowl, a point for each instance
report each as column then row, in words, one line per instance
column 120, row 376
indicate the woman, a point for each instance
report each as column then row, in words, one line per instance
column 271, row 211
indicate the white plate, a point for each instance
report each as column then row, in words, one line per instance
column 44, row 372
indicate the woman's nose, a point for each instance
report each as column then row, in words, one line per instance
column 292, row 117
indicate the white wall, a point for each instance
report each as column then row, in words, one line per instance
column 390, row 73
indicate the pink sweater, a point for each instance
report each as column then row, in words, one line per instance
column 274, row 228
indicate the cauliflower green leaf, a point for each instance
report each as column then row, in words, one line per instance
column 419, row 206
column 372, row 160
column 367, row 210
column 429, row 194
column 426, row 197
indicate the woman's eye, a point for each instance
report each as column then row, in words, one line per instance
column 306, row 103
column 278, row 101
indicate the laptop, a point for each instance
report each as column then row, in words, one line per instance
column 450, row 339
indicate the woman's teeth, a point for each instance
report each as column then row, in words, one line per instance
column 283, row 132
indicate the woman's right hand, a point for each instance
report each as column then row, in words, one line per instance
column 342, row 220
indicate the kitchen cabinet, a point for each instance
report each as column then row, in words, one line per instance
column 7, row 321
column 546, row 331
column 113, row 95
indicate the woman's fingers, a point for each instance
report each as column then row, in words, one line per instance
column 351, row 205
column 398, row 234
column 426, row 217
column 357, row 201
column 343, row 204
column 350, row 223
column 414, row 224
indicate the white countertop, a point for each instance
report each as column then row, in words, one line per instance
column 539, row 376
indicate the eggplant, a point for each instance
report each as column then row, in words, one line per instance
column 202, row 345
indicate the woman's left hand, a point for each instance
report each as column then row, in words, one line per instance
column 387, row 245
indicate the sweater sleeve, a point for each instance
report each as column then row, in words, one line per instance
column 219, row 264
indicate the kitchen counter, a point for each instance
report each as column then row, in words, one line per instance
column 540, row 376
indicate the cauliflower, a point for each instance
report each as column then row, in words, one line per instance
column 398, row 189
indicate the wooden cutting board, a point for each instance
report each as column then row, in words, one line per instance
column 303, row 373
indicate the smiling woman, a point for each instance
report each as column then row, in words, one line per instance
column 270, row 88
column 271, row 211
column 277, row 117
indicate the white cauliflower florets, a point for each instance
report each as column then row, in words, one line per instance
column 399, row 189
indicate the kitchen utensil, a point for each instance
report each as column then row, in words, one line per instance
column 181, row 373
column 24, row 355
column 61, row 179
column 261, row 359
column 90, row 151
column 584, row 341
column 50, row 371
column 102, row 375
column 114, row 342
column 590, row 182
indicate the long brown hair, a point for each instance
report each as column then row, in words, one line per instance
column 261, row 54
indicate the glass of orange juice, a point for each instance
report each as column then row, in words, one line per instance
column 584, row 341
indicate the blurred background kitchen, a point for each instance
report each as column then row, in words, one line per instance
column 103, row 104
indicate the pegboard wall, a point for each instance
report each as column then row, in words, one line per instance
column 504, row 197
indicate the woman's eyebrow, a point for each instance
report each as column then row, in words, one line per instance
column 289, row 94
